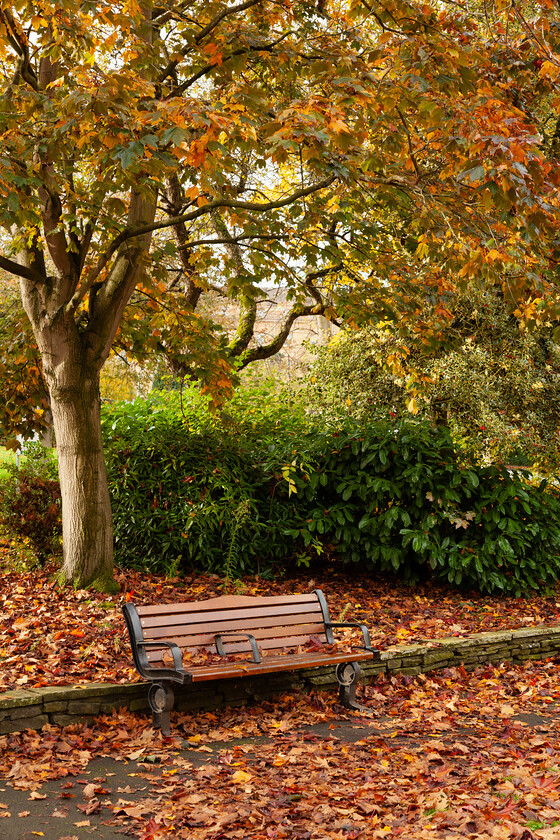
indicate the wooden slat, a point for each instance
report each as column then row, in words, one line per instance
column 241, row 614
column 271, row 665
column 245, row 625
column 226, row 602
column 270, row 633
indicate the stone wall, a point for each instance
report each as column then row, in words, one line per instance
column 61, row 705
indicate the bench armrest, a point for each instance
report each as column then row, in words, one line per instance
column 363, row 628
column 175, row 651
column 234, row 634
column 138, row 645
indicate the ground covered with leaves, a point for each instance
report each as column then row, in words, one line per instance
column 54, row 636
column 447, row 755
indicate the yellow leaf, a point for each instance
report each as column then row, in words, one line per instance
column 412, row 405
column 549, row 69
column 240, row 777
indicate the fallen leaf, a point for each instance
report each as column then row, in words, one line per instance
column 240, row 777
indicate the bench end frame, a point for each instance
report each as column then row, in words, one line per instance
column 138, row 644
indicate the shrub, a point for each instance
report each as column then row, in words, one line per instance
column 497, row 387
column 30, row 504
column 189, row 490
column 260, row 486
column 397, row 498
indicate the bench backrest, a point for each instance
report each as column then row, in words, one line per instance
column 278, row 623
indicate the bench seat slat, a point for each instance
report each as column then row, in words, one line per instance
column 270, row 664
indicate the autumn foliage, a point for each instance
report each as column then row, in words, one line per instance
column 371, row 160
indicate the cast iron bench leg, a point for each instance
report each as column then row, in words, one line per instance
column 161, row 699
column 348, row 675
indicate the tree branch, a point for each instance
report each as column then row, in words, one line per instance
column 232, row 10
column 248, row 306
column 254, row 354
column 175, row 197
column 177, row 91
column 141, row 230
column 21, row 270
column 18, row 41
column 276, row 237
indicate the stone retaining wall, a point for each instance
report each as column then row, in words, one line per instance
column 61, row 705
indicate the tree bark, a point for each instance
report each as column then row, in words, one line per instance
column 72, row 361
column 87, row 527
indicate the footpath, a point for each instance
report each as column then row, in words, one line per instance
column 84, row 806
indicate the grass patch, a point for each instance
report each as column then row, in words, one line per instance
column 7, row 457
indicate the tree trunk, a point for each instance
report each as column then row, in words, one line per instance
column 87, row 528
column 71, row 367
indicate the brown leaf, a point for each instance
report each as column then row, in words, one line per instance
column 89, row 807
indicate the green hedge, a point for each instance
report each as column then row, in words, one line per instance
column 397, row 498
column 190, row 491
column 30, row 503
column 260, row 487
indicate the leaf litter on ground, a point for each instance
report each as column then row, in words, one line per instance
column 444, row 754
column 441, row 755
column 54, row 636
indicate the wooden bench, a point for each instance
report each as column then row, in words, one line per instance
column 235, row 637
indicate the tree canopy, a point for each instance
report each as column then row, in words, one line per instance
column 370, row 157
column 495, row 385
